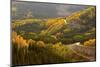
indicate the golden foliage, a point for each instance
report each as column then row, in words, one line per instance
column 31, row 42
column 40, row 44
column 59, row 34
column 54, row 37
column 91, row 42
column 17, row 23
column 20, row 41
column 50, row 22
column 31, row 33
column 57, row 45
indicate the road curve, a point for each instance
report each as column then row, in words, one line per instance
column 84, row 51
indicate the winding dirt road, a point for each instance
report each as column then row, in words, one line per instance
column 88, row 53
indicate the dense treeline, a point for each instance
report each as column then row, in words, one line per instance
column 37, row 52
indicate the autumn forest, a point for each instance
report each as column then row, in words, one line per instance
column 44, row 33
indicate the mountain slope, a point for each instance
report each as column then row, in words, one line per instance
column 82, row 20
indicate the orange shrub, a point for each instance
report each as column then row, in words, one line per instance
column 19, row 40
column 91, row 42
column 40, row 44
column 31, row 42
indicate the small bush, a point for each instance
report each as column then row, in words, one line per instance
column 91, row 42
column 40, row 44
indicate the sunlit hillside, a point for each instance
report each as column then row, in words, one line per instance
column 70, row 38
